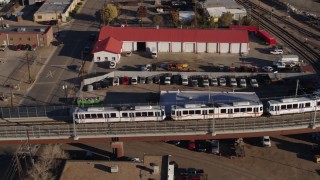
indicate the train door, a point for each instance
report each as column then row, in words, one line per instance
column 230, row 113
column 276, row 109
column 106, row 117
column 301, row 108
column 131, row 116
column 205, row 114
column 178, row 115
column 256, row 111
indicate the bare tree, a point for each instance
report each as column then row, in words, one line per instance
column 29, row 56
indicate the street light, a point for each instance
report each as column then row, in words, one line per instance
column 65, row 88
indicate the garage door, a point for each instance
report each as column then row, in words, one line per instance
column 176, row 47
column 244, row 48
column 235, row 48
column 127, row 46
column 188, row 47
column 211, row 47
column 164, row 47
column 201, row 47
column 224, row 47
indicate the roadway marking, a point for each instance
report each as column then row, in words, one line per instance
column 50, row 74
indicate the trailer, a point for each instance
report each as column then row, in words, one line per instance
column 268, row 38
column 289, row 58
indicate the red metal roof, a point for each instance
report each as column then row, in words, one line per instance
column 174, row 35
column 268, row 37
column 109, row 44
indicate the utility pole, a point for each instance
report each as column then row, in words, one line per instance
column 297, row 87
column 29, row 148
column 18, row 166
column 29, row 74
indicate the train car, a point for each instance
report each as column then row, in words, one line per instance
column 293, row 105
column 216, row 111
column 192, row 111
column 121, row 114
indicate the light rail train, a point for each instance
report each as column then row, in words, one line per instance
column 196, row 111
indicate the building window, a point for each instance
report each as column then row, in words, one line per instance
column 28, row 39
column 106, row 58
column 113, row 58
column 39, row 17
column 98, row 58
column 11, row 39
column 20, row 39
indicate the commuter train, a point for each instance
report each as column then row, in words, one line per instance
column 196, row 111
column 121, row 114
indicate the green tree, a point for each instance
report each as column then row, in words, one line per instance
column 175, row 17
column 211, row 23
column 108, row 13
column 226, row 19
column 246, row 21
column 157, row 20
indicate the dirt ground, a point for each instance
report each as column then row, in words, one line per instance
column 290, row 157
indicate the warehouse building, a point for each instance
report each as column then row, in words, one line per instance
column 216, row 8
column 169, row 40
column 33, row 35
column 55, row 10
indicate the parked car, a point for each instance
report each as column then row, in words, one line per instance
column 205, row 82
column 175, row 79
column 185, row 80
column 18, row 47
column 214, row 82
column 97, row 86
column 242, row 82
column 267, row 68
column 215, row 149
column 192, row 145
column 28, row 47
column 125, row 80
column 201, row 145
column 233, row 82
column 23, row 47
column 222, row 81
column 194, row 83
column 142, row 80
column 3, row 47
column 115, row 81
column 167, row 80
column 104, row 83
column 146, row 67
column 148, row 80
column 254, row 83
column 266, row 142
column 134, row 80
column 156, row 80
column 276, row 51
column 34, row 47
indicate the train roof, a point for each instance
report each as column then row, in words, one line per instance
column 291, row 100
column 94, row 109
column 205, row 97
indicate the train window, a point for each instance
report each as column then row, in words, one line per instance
column 93, row 116
column 157, row 114
column 198, row 111
column 295, row 105
column 87, row 115
column 283, row 107
column 150, row 113
column 138, row 114
column 243, row 109
column 307, row 105
column 100, row 115
column 191, row 112
column 260, row 108
column 81, row 116
column 271, row 108
column 318, row 103
column 113, row 115
column 223, row 111
column 289, row 106
column 173, row 113
column 211, row 111
column 185, row 112
column 249, row 109
column 236, row 110
column 124, row 114
column 144, row 114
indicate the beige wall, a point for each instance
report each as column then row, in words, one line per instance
column 15, row 38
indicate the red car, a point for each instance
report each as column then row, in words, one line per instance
column 125, row 80
column 192, row 145
column 18, row 48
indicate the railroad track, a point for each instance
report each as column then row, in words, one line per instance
column 304, row 51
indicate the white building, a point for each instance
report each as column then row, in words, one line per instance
column 216, row 8
column 107, row 50
column 172, row 40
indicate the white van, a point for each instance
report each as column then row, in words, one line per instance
column 185, row 80
column 154, row 54
column 112, row 64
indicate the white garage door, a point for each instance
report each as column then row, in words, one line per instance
column 224, row 47
column 201, row 47
column 211, row 47
column 164, row 47
column 127, row 46
column 176, row 47
column 244, row 48
column 151, row 46
column 188, row 47
column 235, row 48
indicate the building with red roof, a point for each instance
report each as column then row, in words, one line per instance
column 170, row 40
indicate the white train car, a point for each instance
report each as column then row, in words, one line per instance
column 216, row 111
column 293, row 105
column 111, row 114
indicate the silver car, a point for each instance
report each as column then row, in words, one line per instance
column 214, row 82
column 222, row 81
column 215, row 147
column 233, row 82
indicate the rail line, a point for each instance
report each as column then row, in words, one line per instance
column 304, row 51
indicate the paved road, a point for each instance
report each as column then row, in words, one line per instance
column 48, row 87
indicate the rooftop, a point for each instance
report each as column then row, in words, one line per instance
column 25, row 29
column 174, row 35
column 110, row 45
column 54, row 6
column 229, row 4
column 126, row 169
